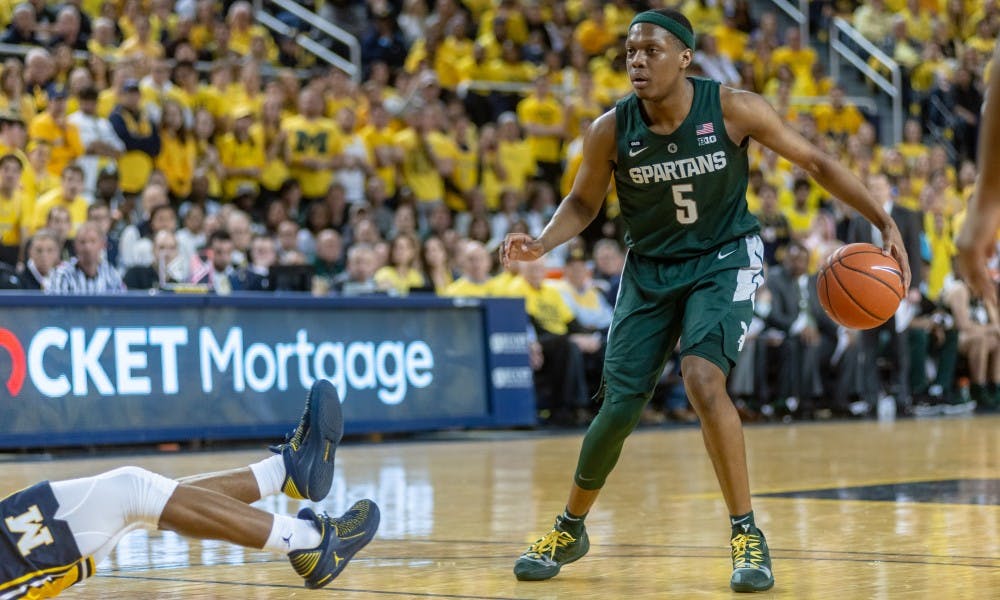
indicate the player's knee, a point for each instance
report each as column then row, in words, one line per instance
column 704, row 381
column 146, row 493
column 622, row 416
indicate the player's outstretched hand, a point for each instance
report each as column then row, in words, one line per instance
column 893, row 245
column 972, row 258
column 520, row 246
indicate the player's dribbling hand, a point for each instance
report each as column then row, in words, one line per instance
column 894, row 246
column 520, row 246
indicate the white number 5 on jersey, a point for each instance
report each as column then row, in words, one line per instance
column 687, row 209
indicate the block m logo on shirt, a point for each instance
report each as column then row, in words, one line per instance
column 30, row 525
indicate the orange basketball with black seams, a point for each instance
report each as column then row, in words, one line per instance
column 859, row 286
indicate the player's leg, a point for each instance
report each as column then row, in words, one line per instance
column 713, row 336
column 303, row 467
column 100, row 510
column 639, row 341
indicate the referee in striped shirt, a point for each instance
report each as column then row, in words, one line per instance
column 89, row 273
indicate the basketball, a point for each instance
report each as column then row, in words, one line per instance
column 859, row 286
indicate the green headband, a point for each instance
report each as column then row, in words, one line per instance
column 651, row 16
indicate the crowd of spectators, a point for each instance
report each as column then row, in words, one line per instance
column 131, row 169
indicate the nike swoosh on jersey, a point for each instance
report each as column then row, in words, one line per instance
column 636, row 151
column 721, row 255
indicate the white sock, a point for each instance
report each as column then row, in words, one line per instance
column 270, row 474
column 290, row 533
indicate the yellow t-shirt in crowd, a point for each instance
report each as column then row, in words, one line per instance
column 546, row 306
column 12, row 218
column 64, row 141
column 420, row 173
column 388, row 278
column 318, row 138
column 546, row 112
column 236, row 154
column 77, row 209
column 466, row 288
column 177, row 161
column 381, row 140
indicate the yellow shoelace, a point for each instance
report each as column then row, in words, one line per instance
column 552, row 541
column 747, row 551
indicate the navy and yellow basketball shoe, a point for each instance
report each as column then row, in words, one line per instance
column 309, row 450
column 751, row 561
column 343, row 537
column 559, row 547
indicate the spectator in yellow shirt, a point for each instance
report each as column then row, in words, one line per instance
column 177, row 151
column 242, row 155
column 142, row 44
column 800, row 58
column 516, row 157
column 102, row 39
column 594, row 34
column 68, row 196
column 475, row 281
column 544, row 121
column 403, row 273
column 52, row 128
column 312, row 145
column 420, row 167
column 13, row 221
column 838, row 118
column 242, row 31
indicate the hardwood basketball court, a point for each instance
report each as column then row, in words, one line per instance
column 908, row 509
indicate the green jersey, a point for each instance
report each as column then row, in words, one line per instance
column 684, row 194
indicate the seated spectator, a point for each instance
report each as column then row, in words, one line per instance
column 100, row 214
column 774, row 228
column 978, row 342
column 217, row 272
column 608, row 264
column 168, row 266
column 44, row 255
column 23, row 27
column 591, row 310
column 101, row 146
column 560, row 382
column 437, row 264
column 67, row 29
column 192, row 236
column 256, row 275
column 475, row 281
column 404, row 272
column 60, row 225
column 88, row 273
column 68, row 195
column 714, row 64
column 135, row 245
column 359, row 277
column 13, row 222
column 329, row 261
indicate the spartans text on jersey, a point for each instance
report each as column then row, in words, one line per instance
column 673, row 170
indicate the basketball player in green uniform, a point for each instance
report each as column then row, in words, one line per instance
column 677, row 151
column 977, row 241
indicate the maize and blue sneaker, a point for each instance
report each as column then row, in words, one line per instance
column 342, row 537
column 309, row 450
column 751, row 561
column 545, row 557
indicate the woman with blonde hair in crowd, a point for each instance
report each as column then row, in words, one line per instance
column 206, row 152
column 403, row 272
column 178, row 150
